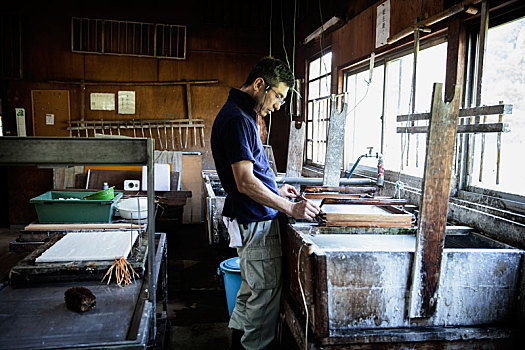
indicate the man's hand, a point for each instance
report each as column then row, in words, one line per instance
column 288, row 191
column 305, row 210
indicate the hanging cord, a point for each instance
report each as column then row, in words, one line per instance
column 322, row 47
column 270, row 54
column 399, row 184
column 323, row 63
column 362, row 98
column 404, row 139
column 271, row 13
column 282, row 30
column 304, row 299
column 293, row 60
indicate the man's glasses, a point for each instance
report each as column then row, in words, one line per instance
column 278, row 95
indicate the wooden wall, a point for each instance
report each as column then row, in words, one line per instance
column 217, row 49
column 355, row 40
column 224, row 41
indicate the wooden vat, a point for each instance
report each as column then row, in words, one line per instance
column 355, row 282
column 214, row 197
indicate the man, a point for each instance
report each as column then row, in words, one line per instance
column 253, row 200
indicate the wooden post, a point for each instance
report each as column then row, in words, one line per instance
column 334, row 146
column 434, row 204
column 294, row 164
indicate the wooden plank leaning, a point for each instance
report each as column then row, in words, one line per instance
column 434, row 204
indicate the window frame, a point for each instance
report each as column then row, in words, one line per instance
column 326, row 120
column 466, row 191
column 479, row 198
column 369, row 171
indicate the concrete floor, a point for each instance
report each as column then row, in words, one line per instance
column 197, row 309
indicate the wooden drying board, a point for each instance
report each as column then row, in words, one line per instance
column 90, row 226
column 330, row 195
column 116, row 178
column 341, row 189
column 25, row 272
column 90, row 246
column 363, row 215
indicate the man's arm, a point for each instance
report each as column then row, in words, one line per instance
column 251, row 186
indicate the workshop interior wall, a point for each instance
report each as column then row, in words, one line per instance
column 216, row 50
column 223, row 43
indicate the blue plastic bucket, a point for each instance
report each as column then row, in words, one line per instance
column 231, row 272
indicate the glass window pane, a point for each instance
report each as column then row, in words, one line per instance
column 398, row 95
column 431, row 66
column 404, row 152
column 315, row 69
column 503, row 80
column 318, row 109
column 325, row 86
column 364, row 116
column 326, row 63
column 313, row 90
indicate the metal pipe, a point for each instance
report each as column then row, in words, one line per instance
column 366, row 155
column 151, row 233
column 355, row 165
column 317, row 181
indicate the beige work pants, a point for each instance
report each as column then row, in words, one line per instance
column 257, row 305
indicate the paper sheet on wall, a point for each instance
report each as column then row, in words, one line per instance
column 102, row 101
column 383, row 23
column 126, row 102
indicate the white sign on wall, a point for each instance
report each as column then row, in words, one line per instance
column 126, row 102
column 383, row 23
column 102, row 101
column 50, row 119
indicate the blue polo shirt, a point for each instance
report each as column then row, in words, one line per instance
column 235, row 137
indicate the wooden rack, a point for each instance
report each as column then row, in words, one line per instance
column 144, row 128
column 463, row 113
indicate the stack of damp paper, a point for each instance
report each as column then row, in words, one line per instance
column 90, row 246
column 362, row 215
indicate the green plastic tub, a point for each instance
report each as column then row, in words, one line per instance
column 71, row 207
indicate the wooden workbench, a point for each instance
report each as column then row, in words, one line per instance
column 37, row 318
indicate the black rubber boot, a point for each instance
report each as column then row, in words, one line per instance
column 236, row 339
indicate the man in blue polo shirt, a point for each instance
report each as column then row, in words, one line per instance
column 253, row 200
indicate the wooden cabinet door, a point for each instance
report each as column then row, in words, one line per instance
column 50, row 112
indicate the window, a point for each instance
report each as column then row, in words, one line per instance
column 319, row 81
column 406, row 152
column 128, row 38
column 503, row 80
column 402, row 152
column 363, row 119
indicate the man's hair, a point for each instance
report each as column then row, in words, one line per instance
column 273, row 71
